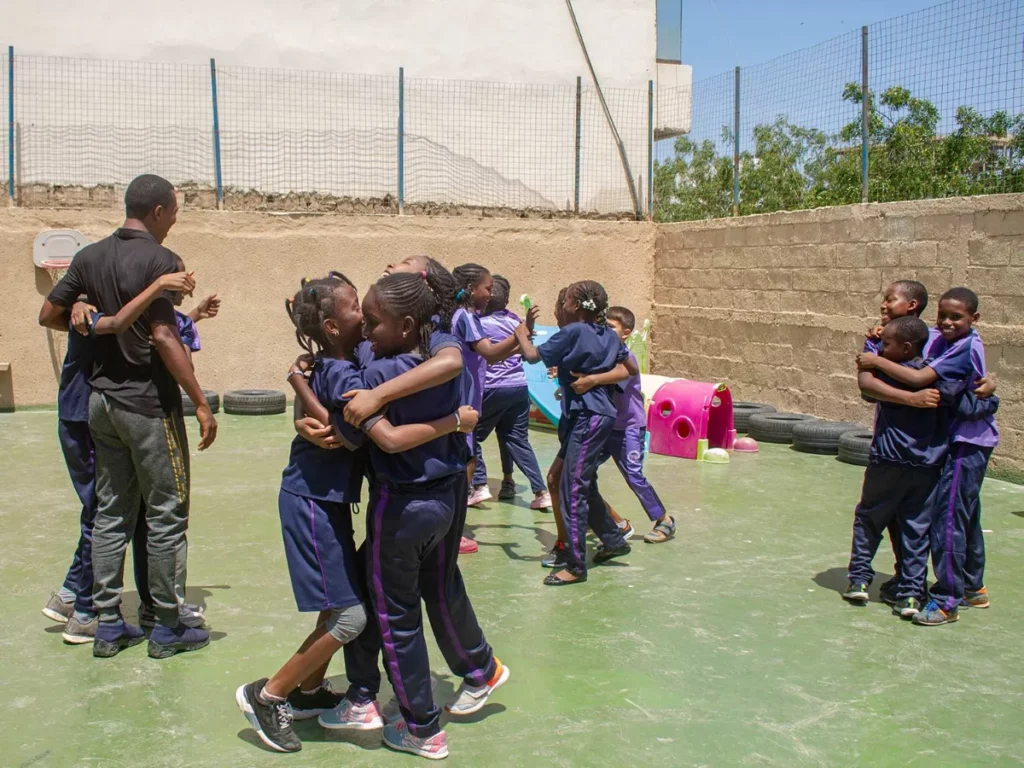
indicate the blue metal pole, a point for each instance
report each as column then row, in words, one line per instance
column 736, row 150
column 10, row 122
column 401, row 140
column 576, row 182
column 865, row 115
column 216, row 135
column 650, row 149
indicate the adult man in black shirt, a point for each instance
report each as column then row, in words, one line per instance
column 135, row 417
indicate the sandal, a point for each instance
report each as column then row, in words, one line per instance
column 662, row 532
column 552, row 579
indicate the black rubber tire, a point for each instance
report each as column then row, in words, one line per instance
column 775, row 427
column 741, row 413
column 190, row 408
column 822, row 436
column 855, row 447
column 255, row 402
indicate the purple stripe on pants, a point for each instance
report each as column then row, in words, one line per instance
column 574, row 500
column 950, row 520
column 449, row 626
column 382, row 610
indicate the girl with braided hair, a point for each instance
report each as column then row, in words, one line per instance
column 590, row 358
column 318, row 488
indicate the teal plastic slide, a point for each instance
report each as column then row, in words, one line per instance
column 543, row 391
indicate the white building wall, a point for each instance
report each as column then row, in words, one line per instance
column 475, row 134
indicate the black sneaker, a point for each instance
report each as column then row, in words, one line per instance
column 887, row 592
column 306, row 706
column 604, row 554
column 165, row 641
column 112, row 637
column 557, row 557
column 272, row 722
column 856, row 593
column 907, row 608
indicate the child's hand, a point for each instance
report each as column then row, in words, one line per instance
column 178, row 282
column 81, row 317
column 553, row 372
column 583, row 384
column 468, row 417
column 207, row 308
column 874, row 332
column 522, row 332
column 531, row 318
column 925, row 398
column 867, row 361
column 312, row 430
column 362, row 404
column 304, row 363
column 985, row 386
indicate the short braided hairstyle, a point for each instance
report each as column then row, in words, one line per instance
column 499, row 295
column 592, row 298
column 406, row 294
column 465, row 276
column 443, row 284
column 313, row 304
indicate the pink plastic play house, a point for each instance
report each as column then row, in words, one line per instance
column 686, row 418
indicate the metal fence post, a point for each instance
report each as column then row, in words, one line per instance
column 216, row 136
column 401, row 140
column 736, row 149
column 865, row 114
column 650, row 149
column 10, row 123
column 576, row 182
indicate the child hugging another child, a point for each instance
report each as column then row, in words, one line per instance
column 317, row 490
column 506, row 407
column 585, row 349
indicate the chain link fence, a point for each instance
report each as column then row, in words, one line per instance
column 945, row 117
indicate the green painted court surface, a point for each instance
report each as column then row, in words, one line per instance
column 728, row 646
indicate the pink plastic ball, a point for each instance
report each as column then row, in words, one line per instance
column 745, row 445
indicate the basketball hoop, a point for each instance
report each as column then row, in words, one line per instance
column 56, row 268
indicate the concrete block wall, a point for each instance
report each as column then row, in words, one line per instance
column 777, row 305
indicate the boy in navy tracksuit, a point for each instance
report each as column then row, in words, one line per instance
column 907, row 451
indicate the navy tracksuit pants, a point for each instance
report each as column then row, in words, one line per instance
column 80, row 458
column 586, row 436
column 904, row 493
column 626, row 448
column 957, row 543
column 507, row 411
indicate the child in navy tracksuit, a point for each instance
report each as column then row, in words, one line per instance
column 72, row 605
column 957, row 542
column 506, row 407
column 584, row 346
column 317, row 490
column 908, row 449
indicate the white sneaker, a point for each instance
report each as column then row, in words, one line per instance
column 541, row 502
column 472, row 698
column 479, row 495
column 352, row 717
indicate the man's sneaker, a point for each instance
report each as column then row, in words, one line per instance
column 558, row 557
column 467, row 546
column 907, row 608
column 479, row 495
column 112, row 637
column 272, row 721
column 78, row 632
column 977, row 599
column 541, row 502
column 353, row 717
column 604, row 554
column 306, row 706
column 164, row 641
column 397, row 736
column 933, row 616
column 887, row 592
column 626, row 528
column 471, row 698
column 856, row 593
column 57, row 610
column 507, row 492
column 188, row 614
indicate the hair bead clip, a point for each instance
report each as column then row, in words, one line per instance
column 588, row 304
column 460, row 294
column 423, row 274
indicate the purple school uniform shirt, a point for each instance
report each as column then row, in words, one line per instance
column 629, row 403
column 467, row 329
column 187, row 331
column 981, row 431
column 584, row 348
column 438, row 340
column 315, row 473
column 509, row 373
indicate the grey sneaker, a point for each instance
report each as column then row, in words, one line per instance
column 507, row 490
column 80, row 632
column 190, row 615
column 57, row 610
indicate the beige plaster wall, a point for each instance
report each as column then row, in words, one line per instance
column 777, row 305
column 255, row 260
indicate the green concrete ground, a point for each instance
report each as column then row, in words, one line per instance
column 729, row 646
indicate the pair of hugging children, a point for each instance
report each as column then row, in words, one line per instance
column 934, row 434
